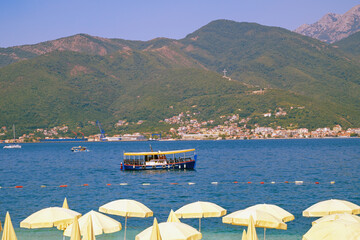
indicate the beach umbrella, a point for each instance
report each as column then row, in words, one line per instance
column 329, row 207
column 65, row 204
column 155, row 232
column 251, row 232
column 9, row 232
column 50, row 217
column 341, row 216
column 89, row 231
column 261, row 218
column 126, row 208
column 75, row 231
column 277, row 211
column 334, row 230
column 100, row 224
column 244, row 236
column 172, row 231
column 172, row 217
column 200, row 210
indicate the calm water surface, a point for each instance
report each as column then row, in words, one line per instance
column 53, row 164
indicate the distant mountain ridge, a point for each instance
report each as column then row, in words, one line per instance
column 333, row 27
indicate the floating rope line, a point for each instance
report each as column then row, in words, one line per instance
column 172, row 183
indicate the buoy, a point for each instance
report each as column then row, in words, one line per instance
column 121, row 166
column 191, row 183
column 63, row 185
column 18, row 186
column 214, row 183
column 261, row 182
column 174, row 183
column 317, row 183
column 332, row 182
column 85, row 185
column 42, row 186
column 249, row 182
column 146, row 184
column 272, row 182
column 108, row 184
column 235, row 182
column 299, row 182
column 286, row 182
column 123, row 184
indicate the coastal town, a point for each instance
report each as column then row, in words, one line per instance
column 185, row 127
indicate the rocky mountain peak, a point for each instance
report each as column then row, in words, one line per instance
column 333, row 27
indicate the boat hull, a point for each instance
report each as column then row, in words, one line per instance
column 171, row 166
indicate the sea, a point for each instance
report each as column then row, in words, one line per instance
column 293, row 174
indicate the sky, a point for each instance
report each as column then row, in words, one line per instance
column 33, row 21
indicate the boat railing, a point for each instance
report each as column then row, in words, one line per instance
column 134, row 162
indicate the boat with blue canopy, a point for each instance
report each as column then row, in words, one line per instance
column 177, row 159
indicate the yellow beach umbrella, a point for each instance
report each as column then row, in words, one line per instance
column 75, row 231
column 65, row 204
column 172, row 231
column 333, row 230
column 50, row 217
column 261, row 218
column 101, row 224
column 329, row 207
column 89, row 231
column 251, row 232
column 244, row 235
column 342, row 216
column 200, row 210
column 9, row 232
column 126, row 208
column 155, row 232
column 277, row 211
column 172, row 217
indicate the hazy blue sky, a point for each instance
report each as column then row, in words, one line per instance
column 33, row 21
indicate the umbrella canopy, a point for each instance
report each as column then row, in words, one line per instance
column 172, row 231
column 100, row 224
column 277, row 211
column 172, row 217
column 9, row 232
column 251, row 232
column 262, row 219
column 126, row 208
column 75, row 231
column 244, row 236
column 89, row 231
column 342, row 216
column 155, row 232
column 50, row 217
column 65, row 204
column 329, row 207
column 333, row 230
column 200, row 210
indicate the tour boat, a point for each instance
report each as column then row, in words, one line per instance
column 14, row 145
column 177, row 159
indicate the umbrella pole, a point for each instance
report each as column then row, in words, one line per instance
column 199, row 224
column 264, row 233
column 125, row 228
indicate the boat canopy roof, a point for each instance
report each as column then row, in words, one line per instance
column 157, row 153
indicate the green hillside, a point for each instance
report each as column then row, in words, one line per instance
column 81, row 79
column 350, row 45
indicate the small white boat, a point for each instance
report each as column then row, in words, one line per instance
column 13, row 145
column 79, row 149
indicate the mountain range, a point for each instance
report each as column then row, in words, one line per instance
column 79, row 79
column 333, row 27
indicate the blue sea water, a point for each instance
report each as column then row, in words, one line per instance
column 224, row 162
